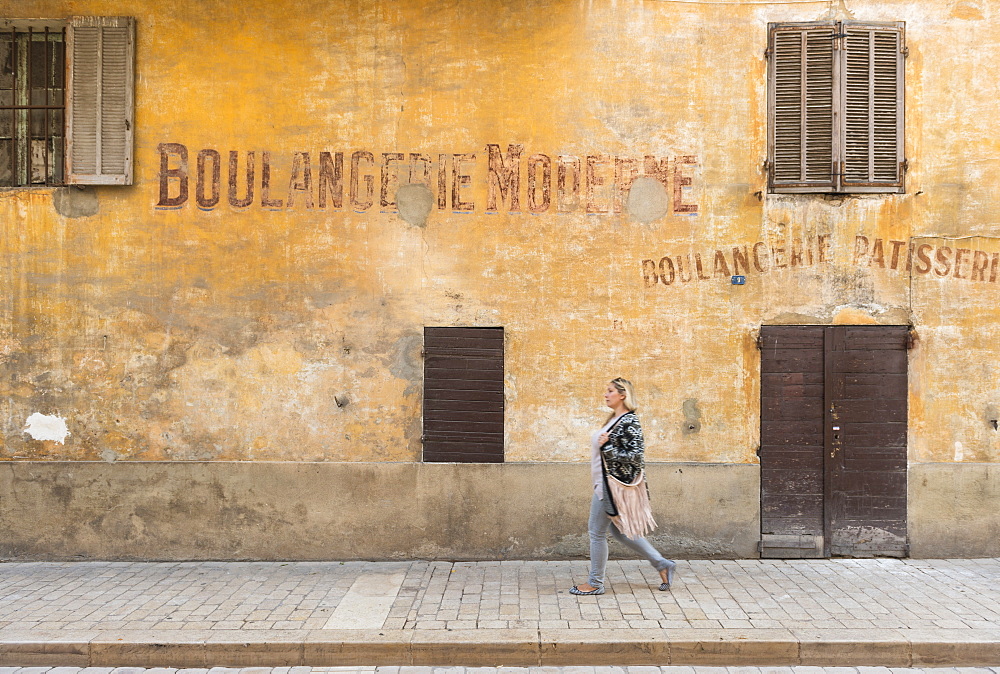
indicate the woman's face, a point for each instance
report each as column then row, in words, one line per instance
column 612, row 397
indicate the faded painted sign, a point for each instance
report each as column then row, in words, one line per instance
column 947, row 260
column 759, row 258
column 515, row 182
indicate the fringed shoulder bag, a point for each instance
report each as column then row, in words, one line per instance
column 630, row 501
column 635, row 516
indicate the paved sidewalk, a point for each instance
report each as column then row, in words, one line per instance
column 641, row 669
column 887, row 612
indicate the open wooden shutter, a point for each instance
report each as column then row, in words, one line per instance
column 101, row 57
column 835, row 107
column 802, row 107
column 873, row 108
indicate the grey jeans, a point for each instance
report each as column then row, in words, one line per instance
column 598, row 527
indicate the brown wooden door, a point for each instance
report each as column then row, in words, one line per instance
column 865, row 461
column 791, row 441
column 833, row 441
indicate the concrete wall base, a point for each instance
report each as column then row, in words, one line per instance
column 954, row 510
column 333, row 511
column 52, row 510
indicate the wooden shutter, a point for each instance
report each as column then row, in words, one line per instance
column 101, row 57
column 873, row 108
column 835, row 107
column 463, row 395
column 802, row 107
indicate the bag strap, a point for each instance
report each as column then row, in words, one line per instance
column 617, row 421
column 604, row 472
column 636, row 483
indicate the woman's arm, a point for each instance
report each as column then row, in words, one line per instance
column 626, row 443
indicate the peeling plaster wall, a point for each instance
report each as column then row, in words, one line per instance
column 292, row 333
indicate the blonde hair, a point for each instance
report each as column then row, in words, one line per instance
column 624, row 386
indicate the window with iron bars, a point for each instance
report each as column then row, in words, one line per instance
column 32, row 105
column 66, row 101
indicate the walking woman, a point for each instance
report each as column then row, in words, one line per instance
column 617, row 453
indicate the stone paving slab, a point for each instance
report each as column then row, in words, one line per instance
column 878, row 612
column 494, row 648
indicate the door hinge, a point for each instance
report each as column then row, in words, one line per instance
column 759, row 341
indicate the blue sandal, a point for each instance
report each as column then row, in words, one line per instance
column 596, row 590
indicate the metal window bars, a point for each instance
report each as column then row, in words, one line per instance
column 32, row 106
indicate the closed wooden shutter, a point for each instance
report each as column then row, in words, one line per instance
column 101, row 55
column 463, row 395
column 802, row 130
column 835, row 107
column 873, row 108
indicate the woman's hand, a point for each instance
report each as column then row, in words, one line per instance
column 602, row 439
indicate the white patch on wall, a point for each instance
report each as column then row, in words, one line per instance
column 47, row 427
column 959, row 451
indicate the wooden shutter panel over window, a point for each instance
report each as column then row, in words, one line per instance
column 802, row 107
column 463, row 395
column 835, row 107
column 101, row 58
column 873, row 108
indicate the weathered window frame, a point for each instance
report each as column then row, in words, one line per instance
column 33, row 103
column 836, row 99
column 98, row 101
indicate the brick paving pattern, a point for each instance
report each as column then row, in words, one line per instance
column 746, row 594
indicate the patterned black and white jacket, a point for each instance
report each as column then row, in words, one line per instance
column 623, row 454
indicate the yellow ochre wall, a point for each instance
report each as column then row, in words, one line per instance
column 293, row 333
